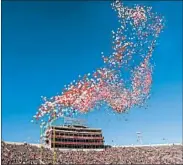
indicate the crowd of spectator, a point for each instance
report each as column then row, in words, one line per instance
column 29, row 154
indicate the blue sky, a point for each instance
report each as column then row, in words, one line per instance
column 45, row 45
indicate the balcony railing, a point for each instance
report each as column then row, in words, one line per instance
column 77, row 132
column 76, row 137
column 76, row 143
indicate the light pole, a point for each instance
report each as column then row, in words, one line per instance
column 139, row 137
column 54, row 141
column 41, row 142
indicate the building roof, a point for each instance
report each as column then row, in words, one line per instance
column 77, row 127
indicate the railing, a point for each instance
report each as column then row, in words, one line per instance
column 77, row 137
column 76, row 132
column 76, row 143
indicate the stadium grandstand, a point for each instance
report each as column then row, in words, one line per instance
column 74, row 134
column 75, row 143
column 24, row 153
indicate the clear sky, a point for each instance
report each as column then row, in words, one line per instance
column 45, row 45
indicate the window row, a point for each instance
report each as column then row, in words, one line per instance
column 77, row 146
column 76, row 140
column 83, row 135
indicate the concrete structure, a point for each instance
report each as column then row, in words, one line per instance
column 74, row 137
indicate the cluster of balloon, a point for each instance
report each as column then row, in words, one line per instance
column 135, row 38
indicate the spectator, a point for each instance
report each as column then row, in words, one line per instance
column 29, row 154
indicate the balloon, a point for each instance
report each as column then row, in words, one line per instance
column 125, row 79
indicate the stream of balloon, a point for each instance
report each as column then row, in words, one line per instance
column 124, row 81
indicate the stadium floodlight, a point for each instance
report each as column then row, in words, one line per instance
column 139, row 137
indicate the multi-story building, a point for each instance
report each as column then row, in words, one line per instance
column 75, row 137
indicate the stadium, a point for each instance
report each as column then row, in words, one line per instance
column 56, row 79
column 75, row 143
column 20, row 153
